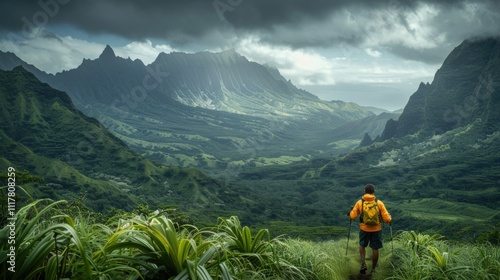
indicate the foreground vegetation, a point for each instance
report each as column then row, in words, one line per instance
column 57, row 240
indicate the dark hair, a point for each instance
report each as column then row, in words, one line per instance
column 369, row 188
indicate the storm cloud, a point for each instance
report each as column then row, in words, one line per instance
column 413, row 29
column 338, row 49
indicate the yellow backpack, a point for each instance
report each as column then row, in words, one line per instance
column 371, row 213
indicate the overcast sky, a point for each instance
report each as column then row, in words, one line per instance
column 374, row 53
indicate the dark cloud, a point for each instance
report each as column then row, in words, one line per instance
column 435, row 55
column 296, row 23
column 160, row 18
column 136, row 20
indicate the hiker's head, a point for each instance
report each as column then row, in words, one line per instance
column 370, row 189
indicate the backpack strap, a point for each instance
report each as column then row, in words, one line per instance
column 380, row 214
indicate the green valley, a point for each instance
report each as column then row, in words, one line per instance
column 297, row 174
column 250, row 140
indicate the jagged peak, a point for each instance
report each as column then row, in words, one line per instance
column 107, row 53
column 367, row 140
column 422, row 85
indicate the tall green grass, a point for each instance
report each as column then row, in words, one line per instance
column 430, row 257
column 50, row 244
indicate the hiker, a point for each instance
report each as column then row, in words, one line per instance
column 370, row 225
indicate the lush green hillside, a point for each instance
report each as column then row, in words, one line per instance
column 45, row 134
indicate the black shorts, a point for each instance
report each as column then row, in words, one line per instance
column 372, row 238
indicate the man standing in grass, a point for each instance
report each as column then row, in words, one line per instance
column 372, row 212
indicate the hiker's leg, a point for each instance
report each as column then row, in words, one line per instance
column 364, row 240
column 375, row 244
column 374, row 258
column 362, row 253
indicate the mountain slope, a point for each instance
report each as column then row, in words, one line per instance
column 228, row 81
column 9, row 61
column 461, row 92
column 43, row 132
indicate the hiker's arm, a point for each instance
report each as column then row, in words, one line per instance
column 385, row 214
column 355, row 211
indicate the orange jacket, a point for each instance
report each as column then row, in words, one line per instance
column 357, row 210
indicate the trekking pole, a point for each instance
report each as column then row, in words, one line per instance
column 348, row 236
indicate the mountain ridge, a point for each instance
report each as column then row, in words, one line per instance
column 248, row 106
column 162, row 66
